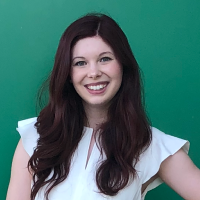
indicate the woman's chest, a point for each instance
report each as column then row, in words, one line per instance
column 81, row 181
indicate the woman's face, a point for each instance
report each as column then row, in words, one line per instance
column 96, row 73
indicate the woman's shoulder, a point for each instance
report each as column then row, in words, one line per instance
column 165, row 143
column 26, row 122
column 161, row 147
column 29, row 134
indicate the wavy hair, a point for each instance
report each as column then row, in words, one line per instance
column 123, row 137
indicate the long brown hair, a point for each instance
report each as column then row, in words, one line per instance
column 123, row 137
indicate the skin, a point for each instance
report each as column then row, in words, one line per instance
column 20, row 180
column 91, row 66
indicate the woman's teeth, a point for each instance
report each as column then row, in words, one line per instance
column 96, row 87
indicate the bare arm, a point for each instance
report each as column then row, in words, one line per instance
column 179, row 172
column 20, row 181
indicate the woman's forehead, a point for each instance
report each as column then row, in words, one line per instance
column 90, row 45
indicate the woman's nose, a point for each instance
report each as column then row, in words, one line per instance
column 94, row 71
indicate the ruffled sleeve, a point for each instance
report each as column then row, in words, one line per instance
column 28, row 134
column 161, row 147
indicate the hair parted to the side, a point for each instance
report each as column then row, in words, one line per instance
column 123, row 137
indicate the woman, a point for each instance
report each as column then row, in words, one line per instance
column 93, row 139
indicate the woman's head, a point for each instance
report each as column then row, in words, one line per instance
column 89, row 26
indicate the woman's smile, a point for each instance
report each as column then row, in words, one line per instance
column 97, row 88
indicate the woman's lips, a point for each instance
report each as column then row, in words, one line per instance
column 97, row 88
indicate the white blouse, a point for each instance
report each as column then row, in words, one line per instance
column 81, row 183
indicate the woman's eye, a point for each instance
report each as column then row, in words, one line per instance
column 104, row 59
column 80, row 63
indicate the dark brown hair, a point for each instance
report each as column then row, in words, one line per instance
column 123, row 137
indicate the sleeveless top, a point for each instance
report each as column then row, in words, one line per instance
column 81, row 183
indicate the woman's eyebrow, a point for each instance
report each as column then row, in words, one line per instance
column 106, row 53
column 78, row 57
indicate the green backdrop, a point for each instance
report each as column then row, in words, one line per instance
column 164, row 36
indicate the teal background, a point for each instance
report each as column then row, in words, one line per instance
column 164, row 36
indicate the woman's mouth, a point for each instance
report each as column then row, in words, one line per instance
column 96, row 88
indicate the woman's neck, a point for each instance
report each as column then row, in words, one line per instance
column 95, row 116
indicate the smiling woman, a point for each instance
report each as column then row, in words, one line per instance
column 93, row 139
